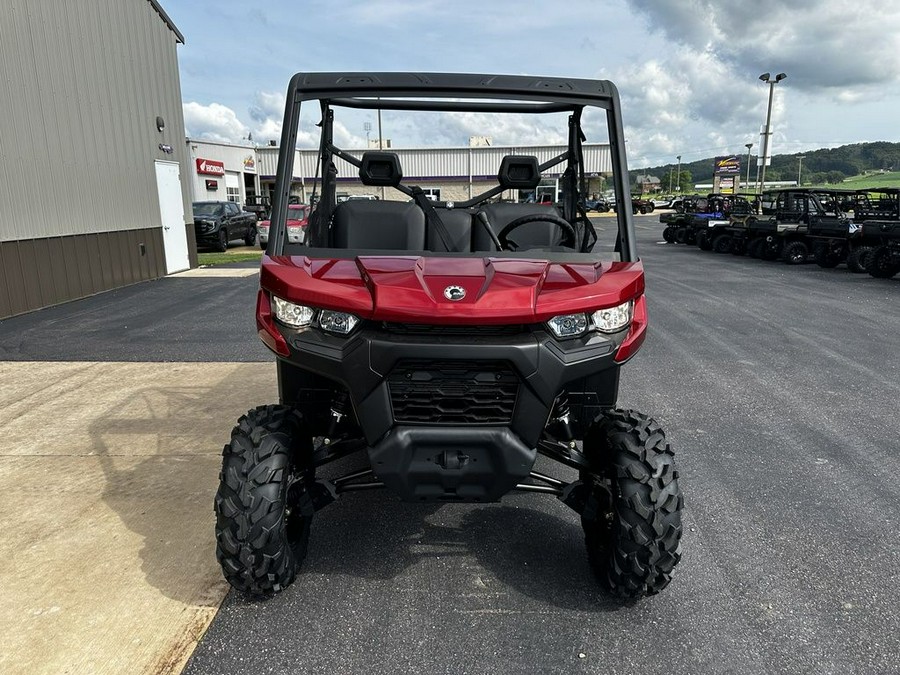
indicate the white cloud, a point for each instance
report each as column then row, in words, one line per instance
column 213, row 122
column 819, row 43
column 267, row 112
column 686, row 69
column 454, row 129
column 267, row 105
column 217, row 122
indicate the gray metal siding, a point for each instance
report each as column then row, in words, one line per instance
column 83, row 82
column 442, row 162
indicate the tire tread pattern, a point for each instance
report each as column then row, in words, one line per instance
column 858, row 257
column 258, row 553
column 637, row 557
column 879, row 263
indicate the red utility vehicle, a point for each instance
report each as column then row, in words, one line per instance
column 446, row 344
column 297, row 220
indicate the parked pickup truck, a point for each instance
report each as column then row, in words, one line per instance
column 217, row 223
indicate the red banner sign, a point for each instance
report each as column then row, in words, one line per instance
column 210, row 167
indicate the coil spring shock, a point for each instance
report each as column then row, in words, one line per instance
column 338, row 412
column 561, row 418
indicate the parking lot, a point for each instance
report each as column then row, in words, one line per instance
column 778, row 387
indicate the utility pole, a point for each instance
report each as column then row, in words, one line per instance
column 766, row 77
column 748, row 146
column 380, row 143
column 800, row 168
column 678, row 172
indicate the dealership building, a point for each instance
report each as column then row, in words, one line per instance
column 446, row 174
column 94, row 177
column 221, row 171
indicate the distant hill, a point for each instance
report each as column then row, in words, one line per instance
column 819, row 166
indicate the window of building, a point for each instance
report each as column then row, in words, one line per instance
column 233, row 194
column 434, row 194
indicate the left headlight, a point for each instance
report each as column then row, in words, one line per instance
column 295, row 234
column 568, row 325
column 613, row 319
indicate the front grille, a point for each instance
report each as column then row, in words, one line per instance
column 454, row 330
column 453, row 392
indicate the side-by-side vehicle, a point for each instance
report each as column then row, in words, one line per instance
column 444, row 346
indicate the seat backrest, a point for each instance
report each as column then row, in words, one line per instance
column 530, row 235
column 386, row 225
column 458, row 224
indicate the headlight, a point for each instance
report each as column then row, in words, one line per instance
column 568, row 325
column 296, row 316
column 295, row 234
column 337, row 322
column 613, row 319
column 301, row 316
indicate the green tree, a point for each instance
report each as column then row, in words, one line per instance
column 684, row 181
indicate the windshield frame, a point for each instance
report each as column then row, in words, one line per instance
column 448, row 92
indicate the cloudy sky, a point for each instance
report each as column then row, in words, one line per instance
column 686, row 69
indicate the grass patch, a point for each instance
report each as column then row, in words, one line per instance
column 891, row 179
column 222, row 258
column 872, row 180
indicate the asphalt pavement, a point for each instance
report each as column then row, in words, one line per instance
column 778, row 387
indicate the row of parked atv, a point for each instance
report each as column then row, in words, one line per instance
column 860, row 228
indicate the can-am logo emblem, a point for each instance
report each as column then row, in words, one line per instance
column 454, row 293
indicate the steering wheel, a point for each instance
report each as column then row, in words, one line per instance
column 568, row 239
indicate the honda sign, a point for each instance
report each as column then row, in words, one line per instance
column 210, row 167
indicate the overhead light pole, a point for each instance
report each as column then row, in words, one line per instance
column 748, row 146
column 678, row 173
column 800, row 168
column 766, row 77
column 380, row 142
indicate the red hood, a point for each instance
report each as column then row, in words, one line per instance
column 411, row 288
column 289, row 221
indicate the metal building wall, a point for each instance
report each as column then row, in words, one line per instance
column 434, row 163
column 82, row 83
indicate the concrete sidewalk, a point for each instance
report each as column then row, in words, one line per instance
column 107, row 477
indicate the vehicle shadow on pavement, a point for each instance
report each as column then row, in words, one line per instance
column 160, row 453
column 525, row 550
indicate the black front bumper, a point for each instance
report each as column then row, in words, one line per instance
column 459, row 381
column 206, row 236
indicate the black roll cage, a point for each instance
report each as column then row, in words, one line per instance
column 440, row 92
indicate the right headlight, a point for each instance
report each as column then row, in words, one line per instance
column 290, row 314
column 341, row 323
column 302, row 316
